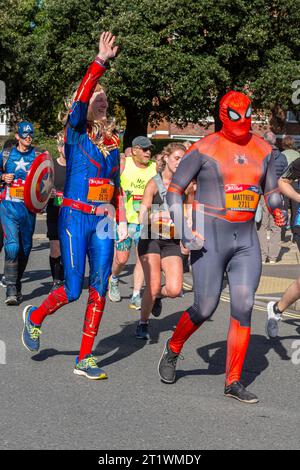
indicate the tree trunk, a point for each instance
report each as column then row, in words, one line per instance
column 136, row 123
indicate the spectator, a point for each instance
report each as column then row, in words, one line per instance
column 289, row 150
column 269, row 234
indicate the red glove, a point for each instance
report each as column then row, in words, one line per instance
column 280, row 217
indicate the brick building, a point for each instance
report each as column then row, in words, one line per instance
column 282, row 124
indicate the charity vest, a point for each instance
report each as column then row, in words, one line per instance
column 133, row 183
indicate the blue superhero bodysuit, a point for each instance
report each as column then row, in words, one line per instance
column 17, row 221
column 92, row 181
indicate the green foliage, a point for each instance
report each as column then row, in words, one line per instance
column 176, row 57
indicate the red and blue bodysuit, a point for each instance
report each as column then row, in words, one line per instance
column 92, row 183
column 231, row 167
column 17, row 221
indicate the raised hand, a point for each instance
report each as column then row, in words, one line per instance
column 107, row 49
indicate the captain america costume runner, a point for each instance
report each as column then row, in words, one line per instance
column 92, row 182
column 230, row 167
column 17, row 221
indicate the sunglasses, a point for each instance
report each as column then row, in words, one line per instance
column 26, row 134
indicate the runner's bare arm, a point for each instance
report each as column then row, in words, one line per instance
column 292, row 173
column 122, row 163
column 286, row 188
column 149, row 193
column 78, row 112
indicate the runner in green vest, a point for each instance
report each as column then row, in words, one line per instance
column 136, row 171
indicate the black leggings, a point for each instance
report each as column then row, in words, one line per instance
column 232, row 248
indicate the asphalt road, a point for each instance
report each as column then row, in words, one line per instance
column 45, row 406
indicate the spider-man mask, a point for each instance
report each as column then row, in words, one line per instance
column 235, row 114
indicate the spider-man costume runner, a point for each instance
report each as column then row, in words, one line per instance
column 92, row 182
column 230, row 167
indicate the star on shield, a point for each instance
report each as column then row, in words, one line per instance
column 47, row 184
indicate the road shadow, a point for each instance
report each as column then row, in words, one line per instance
column 41, row 246
column 36, row 275
column 214, row 354
column 295, row 323
column 124, row 343
column 45, row 354
column 41, row 291
column 283, row 250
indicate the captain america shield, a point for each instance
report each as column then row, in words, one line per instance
column 39, row 183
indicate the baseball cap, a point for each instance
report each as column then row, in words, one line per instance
column 142, row 141
column 24, row 129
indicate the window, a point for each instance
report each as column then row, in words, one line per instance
column 292, row 117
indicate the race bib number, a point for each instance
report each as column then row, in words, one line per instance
column 16, row 189
column 241, row 197
column 100, row 190
column 162, row 225
column 136, row 202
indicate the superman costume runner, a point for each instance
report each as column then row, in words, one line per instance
column 92, row 182
column 230, row 167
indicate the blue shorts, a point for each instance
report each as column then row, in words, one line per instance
column 134, row 234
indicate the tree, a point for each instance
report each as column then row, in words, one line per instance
column 50, row 46
column 15, row 26
column 177, row 58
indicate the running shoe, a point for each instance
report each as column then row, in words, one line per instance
column 11, row 295
column 88, row 368
column 238, row 391
column 135, row 302
column 113, row 289
column 272, row 321
column 167, row 365
column 142, row 331
column 157, row 308
column 31, row 333
column 3, row 281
